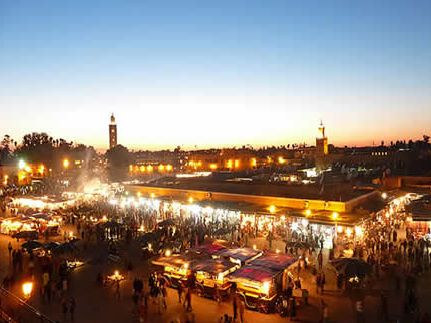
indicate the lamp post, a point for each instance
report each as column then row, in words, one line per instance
column 27, row 288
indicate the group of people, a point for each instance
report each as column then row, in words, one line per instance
column 399, row 259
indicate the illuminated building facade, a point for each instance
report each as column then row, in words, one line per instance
column 112, row 133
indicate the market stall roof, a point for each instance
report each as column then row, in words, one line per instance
column 213, row 266
column 242, row 254
column 343, row 191
column 177, row 261
column 420, row 209
column 274, row 261
column 213, row 248
column 253, row 273
column 40, row 216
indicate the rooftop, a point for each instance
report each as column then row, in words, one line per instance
column 331, row 191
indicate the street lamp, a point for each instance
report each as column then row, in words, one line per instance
column 27, row 288
column 65, row 163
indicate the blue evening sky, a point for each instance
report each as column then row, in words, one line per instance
column 214, row 73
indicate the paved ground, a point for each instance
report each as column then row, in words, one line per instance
column 97, row 304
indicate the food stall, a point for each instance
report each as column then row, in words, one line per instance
column 176, row 268
column 261, row 281
column 211, row 277
column 13, row 225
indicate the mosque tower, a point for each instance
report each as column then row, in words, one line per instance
column 322, row 142
column 112, row 133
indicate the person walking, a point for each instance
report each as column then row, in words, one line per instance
column 64, row 307
column 241, row 311
column 180, row 292
column 235, row 307
column 72, row 306
column 359, row 306
column 9, row 248
column 318, row 281
column 188, row 299
column 117, row 288
column 324, row 311
column 322, row 282
column 292, row 308
column 320, row 260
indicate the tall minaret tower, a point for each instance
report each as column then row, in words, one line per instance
column 322, row 142
column 322, row 129
column 112, row 133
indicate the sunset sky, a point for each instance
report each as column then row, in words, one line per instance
column 216, row 73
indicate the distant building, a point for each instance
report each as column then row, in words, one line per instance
column 112, row 133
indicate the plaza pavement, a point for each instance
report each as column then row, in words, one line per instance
column 98, row 304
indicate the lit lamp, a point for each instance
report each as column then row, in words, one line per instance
column 307, row 212
column 265, row 287
column 190, row 200
column 334, row 216
column 21, row 164
column 27, row 288
column 272, row 209
column 65, row 163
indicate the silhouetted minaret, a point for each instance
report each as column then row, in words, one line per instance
column 112, row 133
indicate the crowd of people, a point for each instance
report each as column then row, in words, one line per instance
column 394, row 253
column 384, row 246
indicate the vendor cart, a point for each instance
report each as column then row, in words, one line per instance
column 210, row 278
column 260, row 283
column 176, row 268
